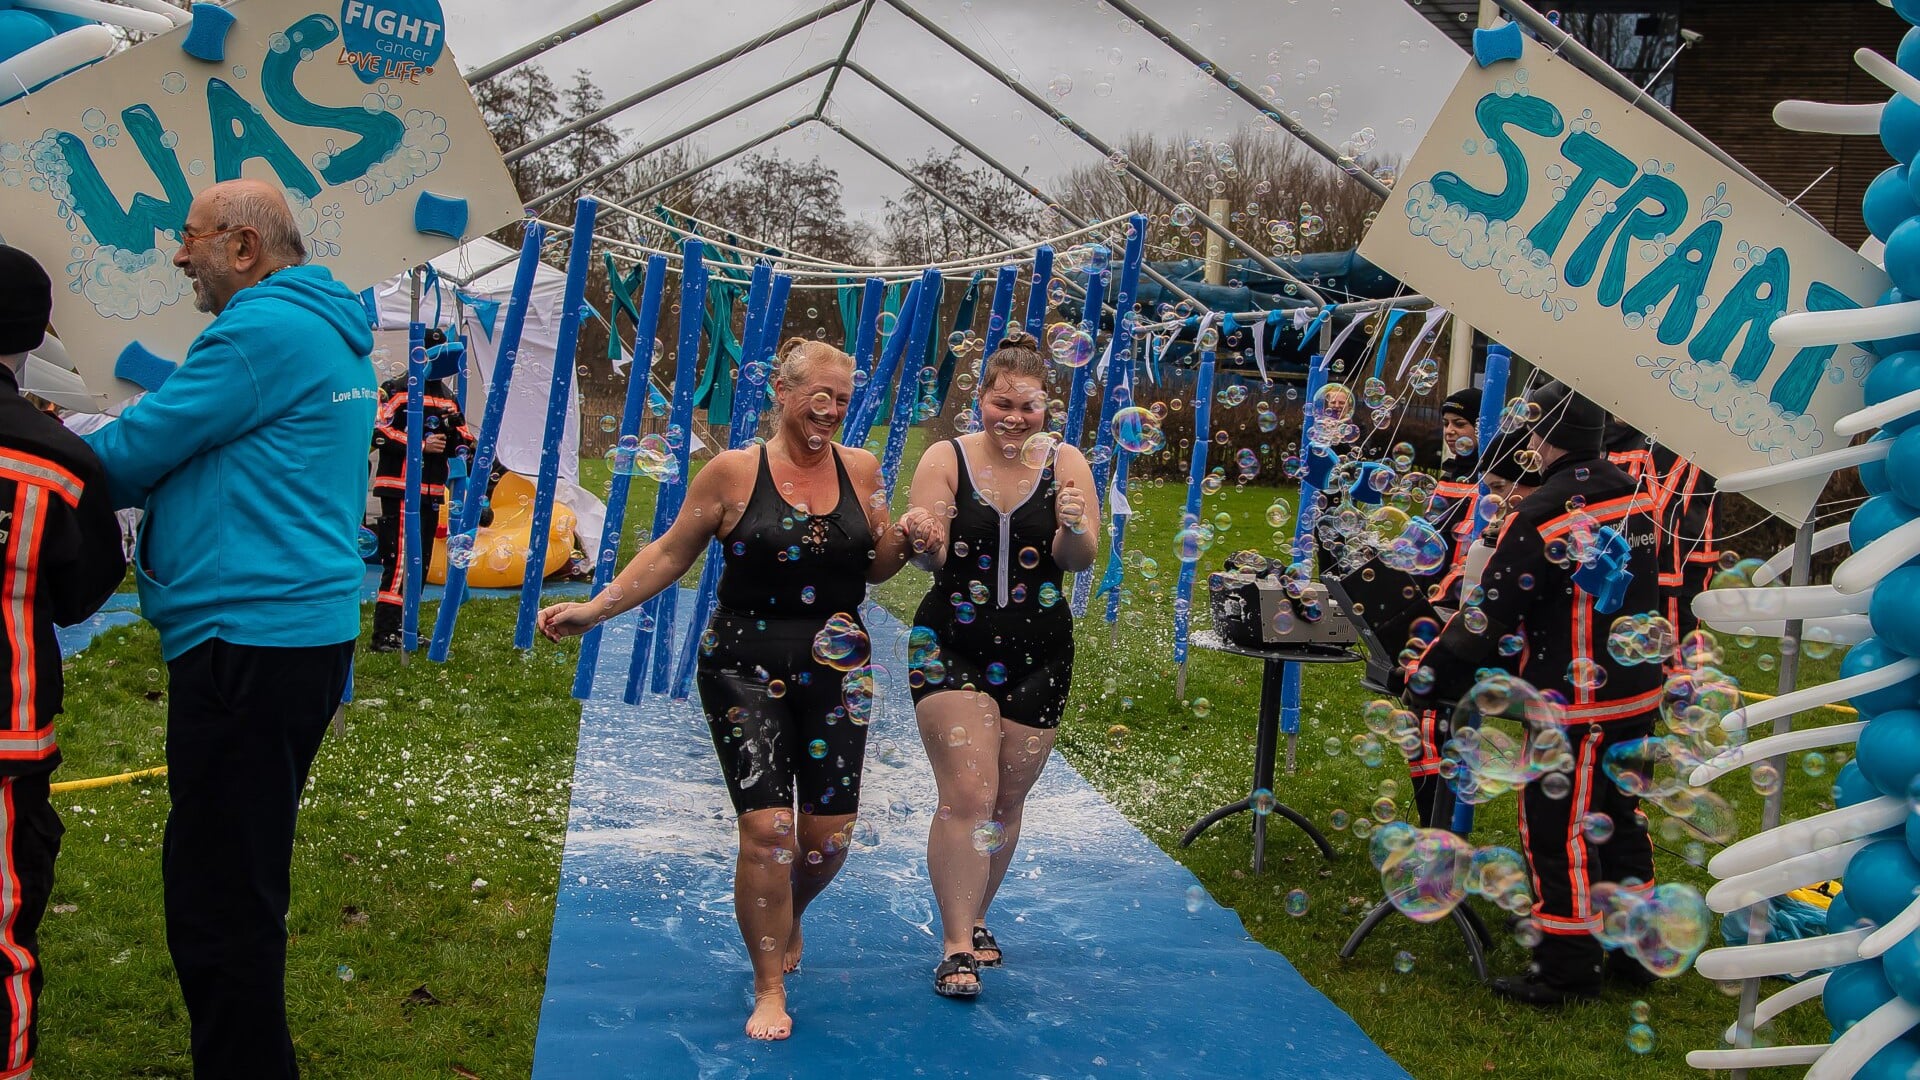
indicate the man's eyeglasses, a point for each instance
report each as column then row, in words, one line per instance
column 188, row 239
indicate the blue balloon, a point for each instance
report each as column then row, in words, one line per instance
column 1889, row 748
column 1896, row 622
column 1854, row 991
column 1840, row 915
column 1908, row 56
column 1894, row 1061
column 1908, row 10
column 1902, row 258
column 1905, row 454
column 1881, row 879
column 1851, row 786
column 1889, row 201
column 1873, row 474
column 1896, row 372
column 1900, row 128
column 1871, row 655
column 1900, row 966
column 1876, row 518
column 20, row 31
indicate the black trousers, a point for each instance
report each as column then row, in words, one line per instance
column 1564, row 861
column 30, row 834
column 390, row 606
column 243, row 725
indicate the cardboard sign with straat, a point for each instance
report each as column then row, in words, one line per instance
column 1589, row 238
column 355, row 108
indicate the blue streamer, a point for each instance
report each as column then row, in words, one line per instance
column 903, row 398
column 410, row 522
column 867, row 331
column 559, row 403
column 997, row 315
column 476, row 494
column 867, row 399
column 1037, row 292
column 656, row 617
column 1303, row 524
column 1196, row 473
column 1386, row 338
column 1119, row 382
column 1090, row 324
column 638, row 384
column 739, row 432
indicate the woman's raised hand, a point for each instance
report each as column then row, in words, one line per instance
column 567, row 620
column 1070, row 507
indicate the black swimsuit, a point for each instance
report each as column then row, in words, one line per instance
column 783, row 671
column 996, row 619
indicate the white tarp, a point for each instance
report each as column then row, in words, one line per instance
column 524, row 423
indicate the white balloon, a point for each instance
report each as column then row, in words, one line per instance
column 1823, row 540
column 1789, row 602
column 1759, row 750
column 1890, row 933
column 1732, row 962
column 1826, row 693
column 1841, row 630
column 1807, row 835
column 1803, row 329
column 1863, row 569
column 147, row 22
column 1778, row 879
column 1863, row 1040
column 1889, row 74
column 53, row 58
column 1827, row 119
column 1757, row 1057
column 1880, row 415
column 1805, row 468
column 1763, row 1014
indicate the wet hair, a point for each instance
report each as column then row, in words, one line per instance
column 794, row 361
column 1017, row 357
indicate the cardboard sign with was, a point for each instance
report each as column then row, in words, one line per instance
column 1590, row 239
column 355, row 108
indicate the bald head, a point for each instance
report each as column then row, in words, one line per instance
column 238, row 232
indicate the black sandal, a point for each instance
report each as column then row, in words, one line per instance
column 983, row 939
column 958, row 964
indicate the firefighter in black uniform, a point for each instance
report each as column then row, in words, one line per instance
column 1530, row 589
column 447, row 435
column 60, row 559
column 1684, row 498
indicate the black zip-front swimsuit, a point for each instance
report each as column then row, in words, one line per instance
column 783, row 721
column 996, row 619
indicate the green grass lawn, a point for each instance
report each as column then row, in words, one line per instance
column 429, row 849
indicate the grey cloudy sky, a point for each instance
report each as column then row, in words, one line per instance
column 1384, row 66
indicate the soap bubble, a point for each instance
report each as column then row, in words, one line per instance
column 1196, row 899
column 1135, row 429
column 1428, row 879
column 1037, row 452
column 1403, row 961
column 1296, row 902
column 1597, row 826
column 989, row 837
column 841, row 643
column 369, row 544
column 1640, row 1039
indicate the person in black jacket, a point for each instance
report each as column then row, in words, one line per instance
column 1529, row 589
column 60, row 559
column 447, row 435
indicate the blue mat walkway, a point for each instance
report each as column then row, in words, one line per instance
column 1109, row 974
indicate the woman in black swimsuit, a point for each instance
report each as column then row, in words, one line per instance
column 783, row 670
column 991, row 654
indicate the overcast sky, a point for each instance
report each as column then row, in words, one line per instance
column 1383, row 64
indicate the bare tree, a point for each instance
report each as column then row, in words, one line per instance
column 791, row 204
column 921, row 229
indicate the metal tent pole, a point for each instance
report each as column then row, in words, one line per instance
column 559, row 37
column 717, row 159
column 1019, row 181
column 1200, row 217
column 1239, row 89
column 665, row 141
column 694, row 72
column 859, row 23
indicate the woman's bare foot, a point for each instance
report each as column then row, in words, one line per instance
column 769, row 1020
column 791, row 963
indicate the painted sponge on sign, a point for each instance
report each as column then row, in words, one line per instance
column 440, row 215
column 1501, row 43
column 139, row 365
column 206, row 39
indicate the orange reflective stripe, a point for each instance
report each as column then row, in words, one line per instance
column 1622, row 709
column 1605, row 513
column 1456, row 489
column 19, row 578
column 41, row 472
column 19, row 987
column 1576, row 825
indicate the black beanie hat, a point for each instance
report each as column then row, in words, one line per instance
column 26, row 302
column 1464, row 402
column 1567, row 420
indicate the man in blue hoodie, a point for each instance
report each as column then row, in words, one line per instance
column 251, row 463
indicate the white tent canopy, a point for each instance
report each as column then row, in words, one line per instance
column 523, row 425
